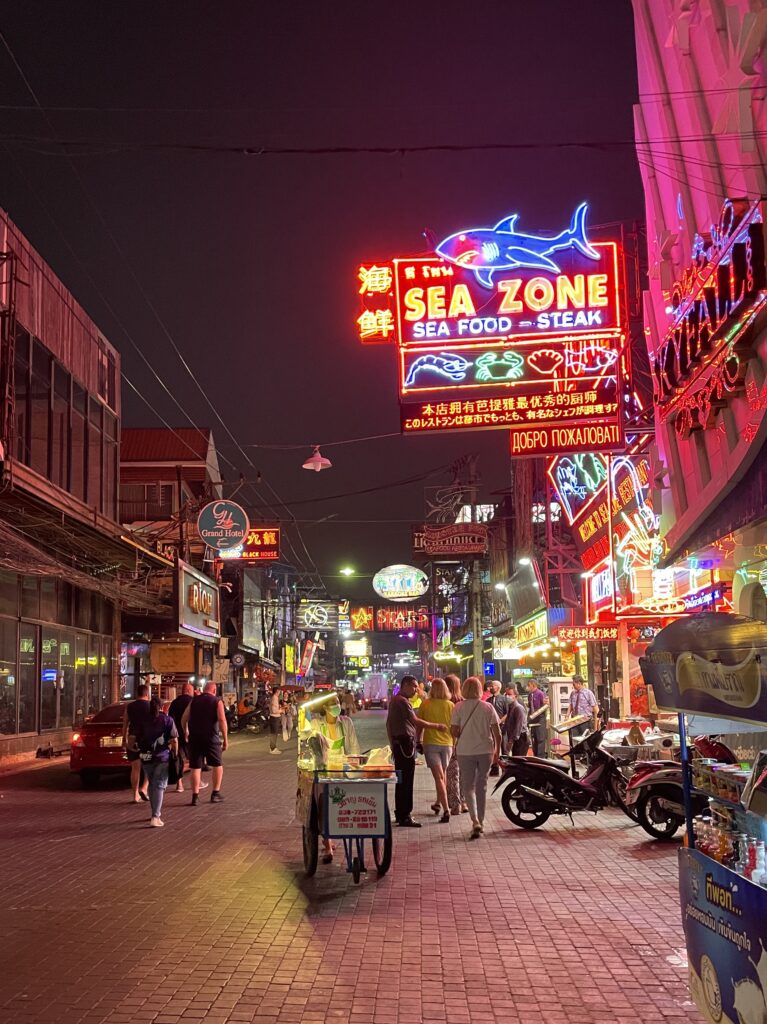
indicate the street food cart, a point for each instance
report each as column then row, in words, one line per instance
column 341, row 795
column 712, row 669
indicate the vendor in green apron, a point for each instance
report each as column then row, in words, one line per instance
column 337, row 735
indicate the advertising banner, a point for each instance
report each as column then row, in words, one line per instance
column 356, row 808
column 262, row 544
column 197, row 604
column 723, row 916
column 710, row 664
column 456, row 540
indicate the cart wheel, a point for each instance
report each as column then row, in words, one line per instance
column 382, row 848
column 356, row 870
column 311, row 850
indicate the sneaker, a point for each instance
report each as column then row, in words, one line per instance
column 204, row 785
column 156, row 822
column 215, row 797
column 195, row 799
column 275, row 751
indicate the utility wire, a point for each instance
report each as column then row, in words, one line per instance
column 325, row 444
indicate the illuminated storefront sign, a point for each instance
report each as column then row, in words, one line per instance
column 577, row 479
column 197, row 603
column 400, row 583
column 505, row 649
column 575, row 634
column 223, row 525
column 262, row 544
column 533, row 630
column 533, row 322
column 394, row 618
column 361, row 618
column 702, row 361
column 704, row 600
column 455, row 540
column 307, row 656
column 344, row 616
column 317, row 616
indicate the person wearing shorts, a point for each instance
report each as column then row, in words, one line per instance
column 275, row 719
column 135, row 717
column 204, row 724
column 438, row 745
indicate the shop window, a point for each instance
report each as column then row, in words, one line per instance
column 9, row 593
column 65, row 596
column 94, row 674
column 49, row 678
column 81, row 677
column 60, row 427
column 66, row 677
column 48, row 606
column 30, row 597
column 27, row 677
column 21, row 397
column 82, row 609
column 94, row 454
column 7, row 677
column 79, row 440
column 40, row 408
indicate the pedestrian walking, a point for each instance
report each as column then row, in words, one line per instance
column 514, row 726
column 176, row 711
column 454, row 797
column 539, row 732
column 275, row 718
column 157, row 740
column 204, row 724
column 402, row 729
column 501, row 703
column 437, row 745
column 136, row 713
column 477, row 736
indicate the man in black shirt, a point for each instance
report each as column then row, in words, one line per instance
column 204, row 726
column 402, row 727
column 176, row 711
column 500, row 703
column 135, row 716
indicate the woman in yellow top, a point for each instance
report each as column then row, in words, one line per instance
column 438, row 746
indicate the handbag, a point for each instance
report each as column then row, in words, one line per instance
column 175, row 768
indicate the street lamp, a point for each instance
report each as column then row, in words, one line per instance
column 347, row 571
column 500, row 586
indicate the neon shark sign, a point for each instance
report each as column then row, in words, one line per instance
column 487, row 251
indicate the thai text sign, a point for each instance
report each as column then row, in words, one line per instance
column 573, row 634
column 723, row 917
column 702, row 360
column 455, row 540
column 356, row 809
column 262, row 544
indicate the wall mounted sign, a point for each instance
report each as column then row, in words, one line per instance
column 703, row 600
column 456, row 540
column 396, row 618
column 317, row 616
column 533, row 630
column 261, row 544
column 577, row 479
column 223, row 525
column 400, row 583
column 197, row 604
column 702, row 361
column 307, row 656
column 361, row 618
column 599, row 632
column 505, row 649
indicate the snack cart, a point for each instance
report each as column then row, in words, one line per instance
column 341, row 796
column 712, row 669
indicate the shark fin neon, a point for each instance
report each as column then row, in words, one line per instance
column 578, row 233
column 507, row 224
column 485, row 276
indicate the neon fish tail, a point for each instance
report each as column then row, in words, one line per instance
column 578, row 233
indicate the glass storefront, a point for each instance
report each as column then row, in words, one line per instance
column 52, row 673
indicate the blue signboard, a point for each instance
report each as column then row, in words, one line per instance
column 724, row 923
column 489, row 668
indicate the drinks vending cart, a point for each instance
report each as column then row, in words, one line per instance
column 712, row 669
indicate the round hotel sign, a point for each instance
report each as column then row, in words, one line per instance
column 223, row 525
column 400, row 583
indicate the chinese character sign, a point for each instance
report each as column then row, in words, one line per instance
column 375, row 322
column 262, row 544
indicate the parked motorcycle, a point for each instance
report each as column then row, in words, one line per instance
column 538, row 787
column 656, row 791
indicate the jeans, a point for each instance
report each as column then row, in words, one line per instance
column 403, row 753
column 539, row 737
column 157, row 773
column 474, row 770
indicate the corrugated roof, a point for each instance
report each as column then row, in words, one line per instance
column 156, row 444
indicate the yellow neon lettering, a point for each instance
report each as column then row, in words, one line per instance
column 435, row 298
column 571, row 291
column 539, row 293
column 460, row 302
column 598, row 290
column 416, row 307
column 510, row 303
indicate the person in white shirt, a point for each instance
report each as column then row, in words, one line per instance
column 477, row 735
column 275, row 718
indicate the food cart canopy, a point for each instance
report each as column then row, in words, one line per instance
column 712, row 664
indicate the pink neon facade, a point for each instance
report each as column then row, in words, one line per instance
column 701, row 134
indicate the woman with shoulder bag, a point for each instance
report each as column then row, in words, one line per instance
column 157, row 742
column 477, row 737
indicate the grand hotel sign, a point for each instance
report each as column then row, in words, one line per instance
column 702, row 361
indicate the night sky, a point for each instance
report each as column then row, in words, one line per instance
column 250, row 261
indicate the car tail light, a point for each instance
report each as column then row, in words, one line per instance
column 77, row 740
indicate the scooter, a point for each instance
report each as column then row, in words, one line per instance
column 656, row 790
column 537, row 787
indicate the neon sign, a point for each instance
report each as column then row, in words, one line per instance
column 485, row 251
column 400, row 583
column 577, row 479
column 262, row 544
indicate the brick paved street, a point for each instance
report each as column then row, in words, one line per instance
column 209, row 919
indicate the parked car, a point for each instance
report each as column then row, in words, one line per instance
column 97, row 746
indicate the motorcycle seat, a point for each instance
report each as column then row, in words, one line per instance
column 552, row 762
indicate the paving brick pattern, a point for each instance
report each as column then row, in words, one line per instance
column 106, row 921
